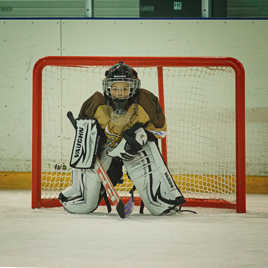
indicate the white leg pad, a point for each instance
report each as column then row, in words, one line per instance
column 152, row 179
column 83, row 195
column 74, row 191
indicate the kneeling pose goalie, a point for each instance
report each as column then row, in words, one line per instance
column 121, row 127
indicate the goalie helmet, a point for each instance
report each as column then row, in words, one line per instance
column 120, row 73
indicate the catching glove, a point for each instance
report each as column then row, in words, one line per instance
column 133, row 141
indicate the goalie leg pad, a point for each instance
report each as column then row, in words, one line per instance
column 153, row 181
column 74, row 191
column 83, row 195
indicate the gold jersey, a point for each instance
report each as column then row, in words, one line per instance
column 145, row 109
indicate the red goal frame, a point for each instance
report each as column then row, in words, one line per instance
column 159, row 62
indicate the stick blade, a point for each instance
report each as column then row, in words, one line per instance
column 129, row 207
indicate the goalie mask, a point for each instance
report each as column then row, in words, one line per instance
column 120, row 85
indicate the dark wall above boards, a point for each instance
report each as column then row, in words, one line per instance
column 134, row 8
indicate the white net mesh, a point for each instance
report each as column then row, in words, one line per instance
column 200, row 112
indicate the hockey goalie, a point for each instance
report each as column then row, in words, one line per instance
column 121, row 127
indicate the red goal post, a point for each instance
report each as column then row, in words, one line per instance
column 161, row 65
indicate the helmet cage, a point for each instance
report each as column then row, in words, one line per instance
column 134, row 84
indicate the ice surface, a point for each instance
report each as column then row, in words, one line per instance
column 215, row 238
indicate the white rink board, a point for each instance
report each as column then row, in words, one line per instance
column 22, row 42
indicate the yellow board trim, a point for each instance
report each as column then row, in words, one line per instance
column 15, row 180
column 23, row 181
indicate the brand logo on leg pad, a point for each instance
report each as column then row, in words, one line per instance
column 169, row 180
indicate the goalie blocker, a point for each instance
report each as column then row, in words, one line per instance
column 85, row 144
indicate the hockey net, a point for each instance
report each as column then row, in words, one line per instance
column 202, row 98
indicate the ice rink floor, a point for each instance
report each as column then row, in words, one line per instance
column 213, row 238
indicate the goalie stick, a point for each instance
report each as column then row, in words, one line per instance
column 123, row 210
